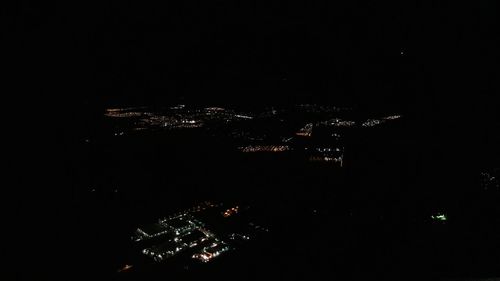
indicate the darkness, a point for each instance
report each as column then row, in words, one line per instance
column 434, row 61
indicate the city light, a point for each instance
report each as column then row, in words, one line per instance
column 265, row 148
column 306, row 131
column 126, row 267
column 184, row 233
column 337, row 122
column 230, row 212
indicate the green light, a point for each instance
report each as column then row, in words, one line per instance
column 439, row 217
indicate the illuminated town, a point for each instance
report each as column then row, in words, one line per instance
column 264, row 130
column 336, row 122
column 176, row 117
column 285, row 176
column 185, row 233
column 277, row 145
column 251, row 141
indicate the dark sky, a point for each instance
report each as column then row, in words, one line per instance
column 262, row 52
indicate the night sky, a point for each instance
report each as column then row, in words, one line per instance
column 398, row 53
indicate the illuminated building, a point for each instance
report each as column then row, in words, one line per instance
column 175, row 226
column 265, row 148
column 230, row 212
column 183, row 231
column 180, row 106
column 211, row 252
column 326, row 159
column 372, row 122
column 164, row 250
column 194, row 238
column 150, row 231
column 306, row 131
column 392, row 117
column 124, row 112
column 327, row 154
column 376, row 122
column 177, row 244
column 336, row 122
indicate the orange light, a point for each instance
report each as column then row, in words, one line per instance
column 125, row 268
